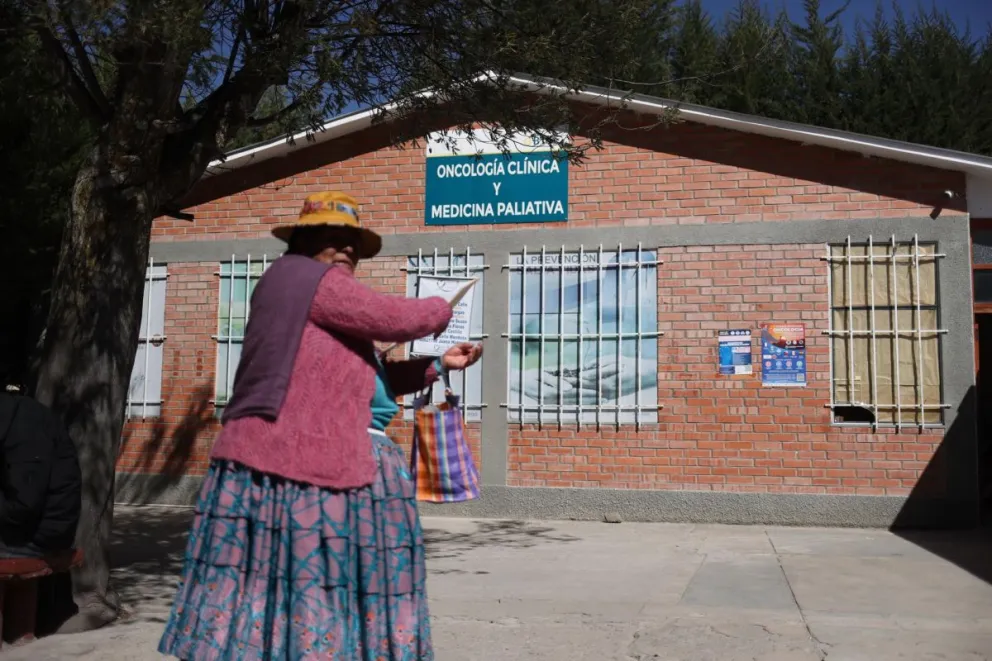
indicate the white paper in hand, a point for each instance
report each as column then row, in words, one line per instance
column 459, row 292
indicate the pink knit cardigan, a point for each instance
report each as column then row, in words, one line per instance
column 320, row 436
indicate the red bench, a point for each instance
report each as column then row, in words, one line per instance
column 19, row 591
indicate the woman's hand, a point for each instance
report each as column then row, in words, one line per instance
column 461, row 356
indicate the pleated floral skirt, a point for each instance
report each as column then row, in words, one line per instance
column 276, row 569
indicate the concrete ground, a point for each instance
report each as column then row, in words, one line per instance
column 633, row 592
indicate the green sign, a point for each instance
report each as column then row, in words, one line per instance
column 495, row 188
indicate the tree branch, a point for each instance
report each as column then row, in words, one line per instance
column 255, row 122
column 78, row 91
column 235, row 47
column 83, row 62
column 346, row 53
column 193, row 141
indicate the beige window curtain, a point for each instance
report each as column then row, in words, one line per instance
column 885, row 340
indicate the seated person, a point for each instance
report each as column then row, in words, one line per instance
column 40, row 498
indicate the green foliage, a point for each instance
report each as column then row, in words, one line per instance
column 817, row 94
column 273, row 103
column 919, row 79
column 41, row 147
column 695, row 55
column 205, row 77
column 753, row 63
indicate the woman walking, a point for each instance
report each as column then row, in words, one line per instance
column 306, row 542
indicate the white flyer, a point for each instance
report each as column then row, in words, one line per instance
column 459, row 292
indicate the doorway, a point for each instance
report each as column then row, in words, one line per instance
column 983, row 379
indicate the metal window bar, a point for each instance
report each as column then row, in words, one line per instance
column 637, row 345
column 519, row 410
column 599, row 335
column 227, row 338
column 871, row 325
column 146, row 338
column 582, row 344
column 851, row 395
column 620, row 330
column 468, row 269
column 895, row 326
column 919, row 333
column 915, row 333
column 561, row 328
column 540, row 352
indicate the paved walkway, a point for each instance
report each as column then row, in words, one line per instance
column 635, row 592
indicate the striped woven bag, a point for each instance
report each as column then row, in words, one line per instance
column 441, row 460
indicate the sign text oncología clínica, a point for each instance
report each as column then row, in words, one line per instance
column 476, row 183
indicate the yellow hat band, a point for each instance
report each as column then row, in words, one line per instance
column 329, row 207
column 332, row 209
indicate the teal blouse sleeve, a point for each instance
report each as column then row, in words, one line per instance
column 384, row 406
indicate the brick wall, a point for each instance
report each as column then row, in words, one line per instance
column 714, row 433
column 730, row 433
column 180, row 441
column 686, row 173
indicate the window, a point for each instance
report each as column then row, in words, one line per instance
column 981, row 245
column 584, row 336
column 981, row 263
column 144, row 396
column 237, row 282
column 885, row 338
column 467, row 384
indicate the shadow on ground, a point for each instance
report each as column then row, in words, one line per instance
column 147, row 554
column 446, row 544
column 943, row 514
column 149, row 544
column 971, row 550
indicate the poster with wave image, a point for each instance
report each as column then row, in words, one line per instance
column 584, row 337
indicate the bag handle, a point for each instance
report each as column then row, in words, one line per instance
column 428, row 396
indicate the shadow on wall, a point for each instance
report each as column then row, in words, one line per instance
column 783, row 158
column 787, row 159
column 165, row 456
column 312, row 157
column 946, row 500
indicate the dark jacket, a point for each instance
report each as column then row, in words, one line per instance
column 40, row 481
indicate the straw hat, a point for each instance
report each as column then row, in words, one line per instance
column 332, row 209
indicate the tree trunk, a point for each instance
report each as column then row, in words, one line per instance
column 89, row 350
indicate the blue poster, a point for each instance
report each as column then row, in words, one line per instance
column 735, row 351
column 783, row 355
column 496, row 188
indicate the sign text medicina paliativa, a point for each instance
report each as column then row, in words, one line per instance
column 476, row 183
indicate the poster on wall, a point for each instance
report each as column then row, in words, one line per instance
column 735, row 352
column 459, row 292
column 583, row 336
column 783, row 355
column 471, row 181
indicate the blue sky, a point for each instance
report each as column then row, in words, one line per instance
column 974, row 13
column 977, row 13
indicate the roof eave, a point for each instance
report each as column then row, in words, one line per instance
column 945, row 159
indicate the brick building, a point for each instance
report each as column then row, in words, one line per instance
column 601, row 390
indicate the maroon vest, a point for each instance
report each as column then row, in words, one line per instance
column 280, row 307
